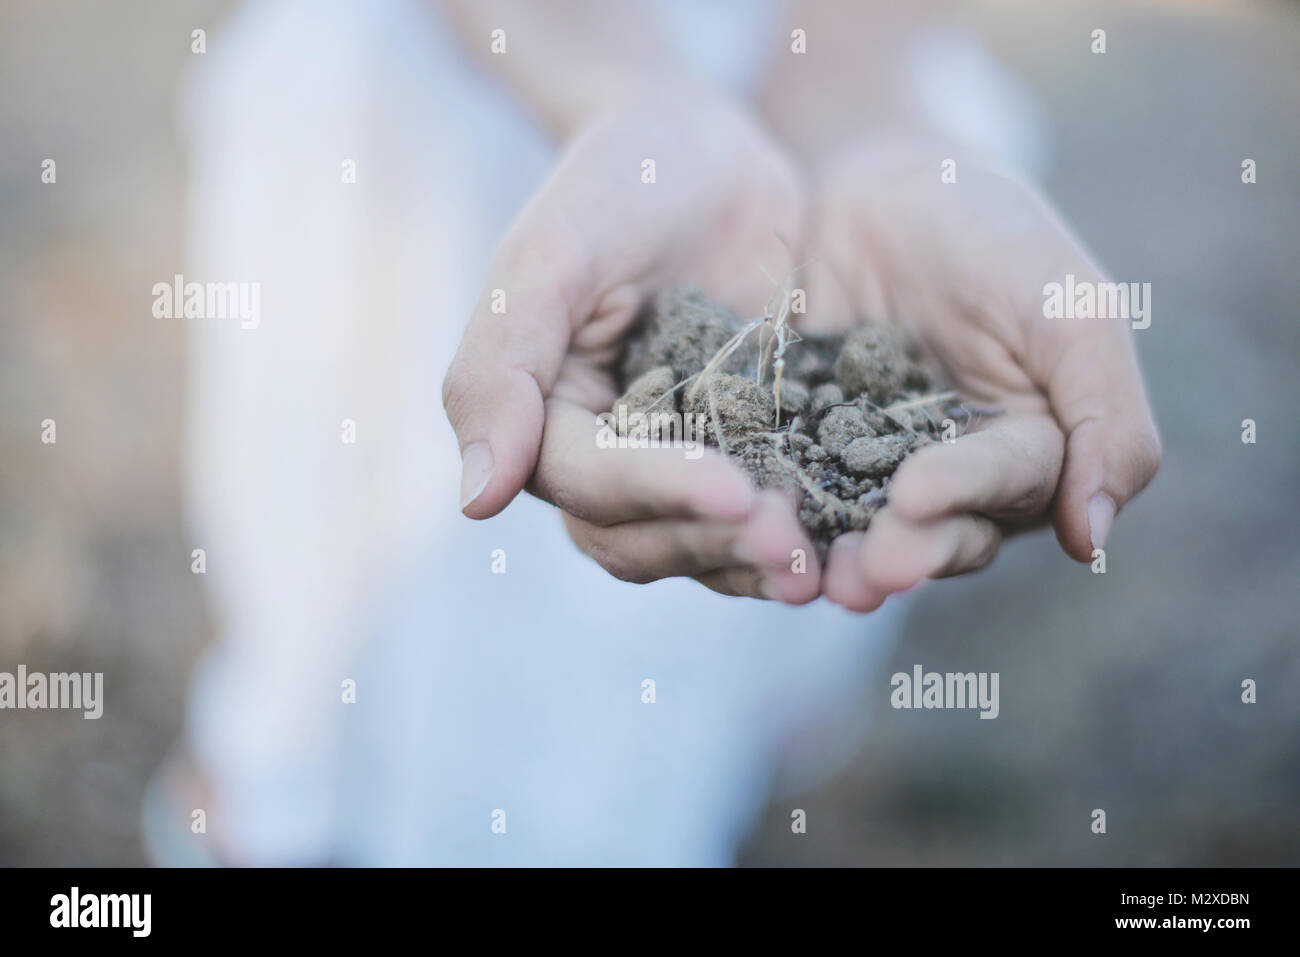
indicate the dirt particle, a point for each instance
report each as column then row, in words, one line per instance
column 874, row 362
column 827, row 394
column 795, row 397
column 683, row 330
column 742, row 407
column 840, row 426
column 800, row 443
column 646, row 392
column 877, row 456
column 835, row 446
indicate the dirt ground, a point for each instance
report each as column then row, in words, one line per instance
column 1118, row 691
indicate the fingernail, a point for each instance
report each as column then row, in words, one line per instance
column 1101, row 512
column 746, row 554
column 767, row 589
column 475, row 471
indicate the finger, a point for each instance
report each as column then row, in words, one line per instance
column 897, row 553
column 774, row 540
column 646, row 551
column 1007, row 471
column 749, row 582
column 777, row 547
column 736, row 582
column 780, row 561
column 842, row 582
column 1112, row 449
column 508, row 361
column 652, row 549
column 579, row 471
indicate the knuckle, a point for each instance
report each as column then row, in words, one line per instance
column 456, row 391
column 699, row 548
column 678, row 499
column 981, row 542
column 618, row 565
column 1155, row 451
column 1037, row 491
column 1146, row 453
column 551, row 489
column 626, row 571
column 987, row 549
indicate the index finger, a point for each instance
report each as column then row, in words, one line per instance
column 580, row 472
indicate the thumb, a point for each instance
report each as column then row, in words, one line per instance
column 506, row 365
column 1112, row 448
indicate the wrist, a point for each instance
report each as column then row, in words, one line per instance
column 676, row 99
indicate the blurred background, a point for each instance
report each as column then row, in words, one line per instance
column 1127, row 685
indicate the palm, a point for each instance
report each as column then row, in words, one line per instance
column 962, row 265
column 717, row 213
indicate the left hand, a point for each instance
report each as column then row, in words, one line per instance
column 587, row 251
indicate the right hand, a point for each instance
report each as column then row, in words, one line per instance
column 583, row 256
column 965, row 265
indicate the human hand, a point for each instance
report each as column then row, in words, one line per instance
column 964, row 265
column 595, row 242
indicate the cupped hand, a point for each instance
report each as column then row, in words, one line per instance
column 965, row 264
column 644, row 198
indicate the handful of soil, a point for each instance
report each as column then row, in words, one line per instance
column 851, row 407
